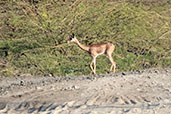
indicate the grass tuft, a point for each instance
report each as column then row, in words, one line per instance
column 33, row 35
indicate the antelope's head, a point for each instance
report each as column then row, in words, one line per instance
column 72, row 38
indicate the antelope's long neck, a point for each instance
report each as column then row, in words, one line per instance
column 86, row 48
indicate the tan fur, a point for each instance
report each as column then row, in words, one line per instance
column 96, row 50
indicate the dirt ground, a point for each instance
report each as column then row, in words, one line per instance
column 139, row 92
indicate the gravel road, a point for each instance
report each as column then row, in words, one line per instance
column 135, row 92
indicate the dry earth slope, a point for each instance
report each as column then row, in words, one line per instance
column 139, row 92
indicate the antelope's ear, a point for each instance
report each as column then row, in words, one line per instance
column 73, row 34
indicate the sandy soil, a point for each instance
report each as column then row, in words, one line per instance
column 139, row 92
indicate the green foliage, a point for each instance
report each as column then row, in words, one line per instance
column 33, row 35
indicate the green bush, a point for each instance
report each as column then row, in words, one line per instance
column 33, row 35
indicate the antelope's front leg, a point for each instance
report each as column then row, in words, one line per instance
column 94, row 65
column 91, row 66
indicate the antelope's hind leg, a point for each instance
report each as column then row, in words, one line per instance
column 113, row 66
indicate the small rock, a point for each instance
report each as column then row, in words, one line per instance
column 138, row 89
column 138, row 71
column 22, row 83
column 38, row 88
column 156, row 71
column 70, row 104
column 93, row 112
column 2, row 105
column 148, row 77
column 83, row 106
column 123, row 73
column 3, row 108
column 65, row 106
column 75, row 87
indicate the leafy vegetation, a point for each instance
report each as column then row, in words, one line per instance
column 33, row 35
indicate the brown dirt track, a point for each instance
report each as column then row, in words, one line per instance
column 139, row 92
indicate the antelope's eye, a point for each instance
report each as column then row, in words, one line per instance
column 70, row 38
